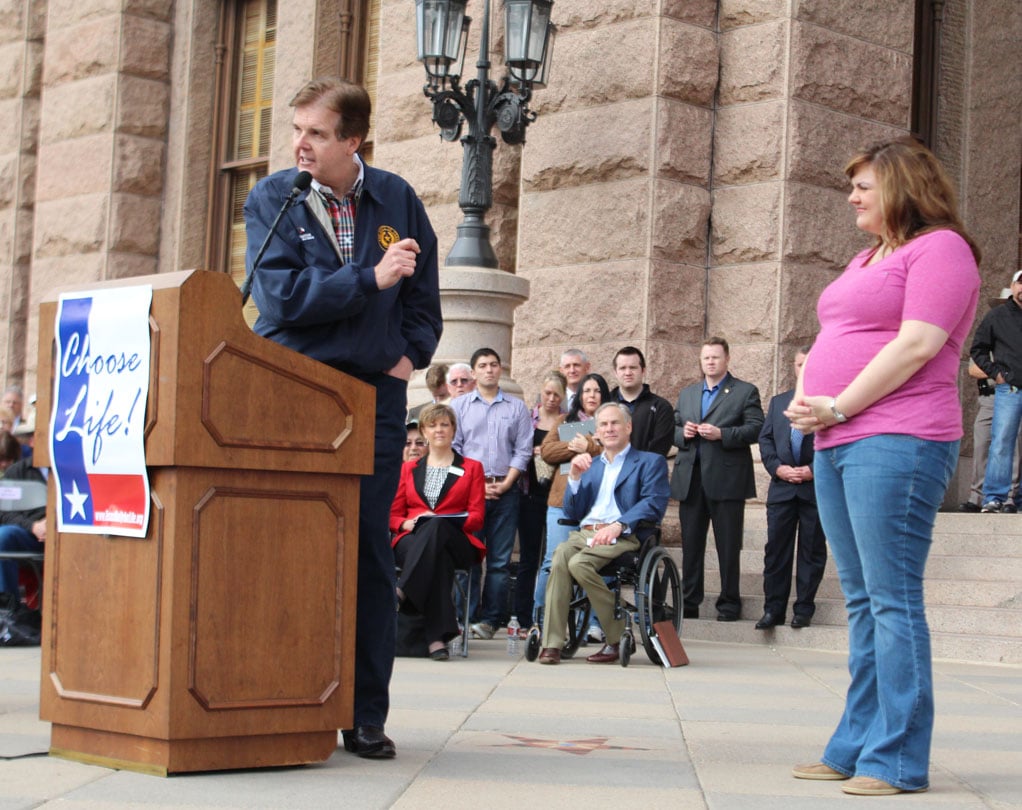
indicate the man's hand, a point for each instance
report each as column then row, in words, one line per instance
column 710, row 433
column 495, row 490
column 795, row 475
column 579, row 464
column 607, row 535
column 691, row 430
column 403, row 369
column 39, row 530
column 397, row 263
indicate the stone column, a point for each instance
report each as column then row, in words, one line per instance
column 104, row 123
column 21, row 51
column 801, row 88
column 615, row 201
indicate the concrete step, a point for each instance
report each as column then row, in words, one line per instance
column 973, row 591
column 974, row 565
column 997, row 649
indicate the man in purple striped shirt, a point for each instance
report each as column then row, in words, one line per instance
column 495, row 430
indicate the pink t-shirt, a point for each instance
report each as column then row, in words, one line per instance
column 933, row 279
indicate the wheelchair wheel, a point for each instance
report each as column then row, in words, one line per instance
column 578, row 622
column 626, row 647
column 532, row 642
column 657, row 597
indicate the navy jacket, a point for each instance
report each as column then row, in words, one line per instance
column 775, row 450
column 336, row 314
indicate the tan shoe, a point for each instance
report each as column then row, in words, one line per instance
column 868, row 786
column 817, row 770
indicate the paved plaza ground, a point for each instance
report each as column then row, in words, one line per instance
column 490, row 731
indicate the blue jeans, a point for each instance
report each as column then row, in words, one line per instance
column 555, row 535
column 1003, row 437
column 878, row 499
column 14, row 538
column 499, row 529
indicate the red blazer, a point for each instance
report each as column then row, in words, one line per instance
column 460, row 493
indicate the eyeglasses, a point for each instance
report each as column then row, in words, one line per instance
column 415, row 443
column 460, row 381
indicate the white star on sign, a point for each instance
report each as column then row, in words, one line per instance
column 77, row 500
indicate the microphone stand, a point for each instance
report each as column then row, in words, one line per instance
column 246, row 287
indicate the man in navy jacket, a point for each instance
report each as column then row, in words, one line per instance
column 791, row 507
column 350, row 279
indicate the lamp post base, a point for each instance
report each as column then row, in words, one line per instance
column 478, row 307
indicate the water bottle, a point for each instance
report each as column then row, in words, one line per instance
column 513, row 642
column 455, row 646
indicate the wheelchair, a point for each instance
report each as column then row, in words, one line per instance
column 652, row 577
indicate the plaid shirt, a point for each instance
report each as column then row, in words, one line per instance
column 342, row 215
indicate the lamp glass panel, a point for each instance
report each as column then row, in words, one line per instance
column 516, row 30
column 525, row 24
column 537, row 34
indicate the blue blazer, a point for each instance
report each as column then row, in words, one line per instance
column 775, row 450
column 641, row 491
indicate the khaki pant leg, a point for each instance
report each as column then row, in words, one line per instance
column 558, row 590
column 584, row 568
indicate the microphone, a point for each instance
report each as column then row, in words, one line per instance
column 302, row 182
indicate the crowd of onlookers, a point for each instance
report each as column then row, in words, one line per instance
column 525, row 453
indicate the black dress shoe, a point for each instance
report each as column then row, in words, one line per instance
column 798, row 621
column 690, row 613
column 769, row 620
column 369, row 742
column 726, row 617
column 968, row 506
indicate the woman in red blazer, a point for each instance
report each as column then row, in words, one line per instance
column 429, row 549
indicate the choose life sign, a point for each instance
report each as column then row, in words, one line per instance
column 101, row 385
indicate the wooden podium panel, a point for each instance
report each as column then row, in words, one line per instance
column 224, row 638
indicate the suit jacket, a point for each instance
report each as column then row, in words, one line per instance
column 460, row 493
column 641, row 490
column 775, row 450
column 726, row 465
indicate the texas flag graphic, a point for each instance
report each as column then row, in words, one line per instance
column 101, row 384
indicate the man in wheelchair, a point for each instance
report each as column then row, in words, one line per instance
column 608, row 496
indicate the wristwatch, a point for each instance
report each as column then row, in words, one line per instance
column 837, row 414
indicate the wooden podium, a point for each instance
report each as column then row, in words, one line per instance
column 225, row 638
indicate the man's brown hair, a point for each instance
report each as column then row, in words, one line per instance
column 349, row 100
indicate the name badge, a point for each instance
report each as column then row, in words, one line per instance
column 456, row 471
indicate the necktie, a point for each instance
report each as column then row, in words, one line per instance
column 796, row 445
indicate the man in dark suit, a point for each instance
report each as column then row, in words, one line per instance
column 608, row 496
column 787, row 455
column 716, row 421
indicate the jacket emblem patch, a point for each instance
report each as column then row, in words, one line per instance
column 387, row 236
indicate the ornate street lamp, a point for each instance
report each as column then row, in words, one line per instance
column 481, row 104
